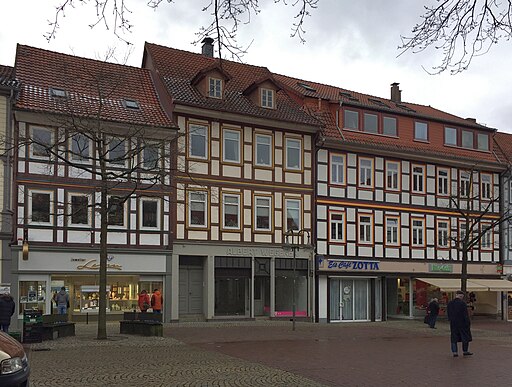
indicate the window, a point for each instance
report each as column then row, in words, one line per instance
column 392, row 175
column 59, row 93
column 79, row 208
column 351, row 119
column 197, row 209
column 483, row 142
column 231, row 146
column 418, row 232
column 115, row 211
column 389, row 126
column 293, row 153
column 80, row 147
column 486, row 242
column 442, row 233
column 337, row 169
column 215, row 89
column 366, row 172
column 418, row 178
column 150, row 213
column 262, row 213
column 420, row 131
column 462, row 233
column 450, row 136
column 117, row 151
column 198, row 141
column 465, row 185
column 267, row 98
column 231, row 211
column 365, row 229
column 131, row 104
column 41, row 145
column 337, row 221
column 263, row 150
column 467, row 139
column 292, row 214
column 485, row 186
column 370, row 123
column 392, row 231
column 443, row 179
column 41, row 207
column 150, row 156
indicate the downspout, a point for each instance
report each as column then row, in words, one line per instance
column 337, row 120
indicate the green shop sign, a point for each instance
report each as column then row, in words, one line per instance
column 440, row 268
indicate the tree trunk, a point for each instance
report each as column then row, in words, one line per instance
column 464, row 271
column 102, row 313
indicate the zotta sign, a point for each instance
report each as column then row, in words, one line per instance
column 348, row 265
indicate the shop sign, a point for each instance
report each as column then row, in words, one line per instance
column 350, row 265
column 94, row 264
column 257, row 252
column 440, row 268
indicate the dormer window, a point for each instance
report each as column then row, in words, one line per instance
column 267, row 98
column 59, row 93
column 215, row 88
column 131, row 104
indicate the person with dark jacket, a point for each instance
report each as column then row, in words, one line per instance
column 62, row 300
column 460, row 325
column 433, row 309
column 7, row 307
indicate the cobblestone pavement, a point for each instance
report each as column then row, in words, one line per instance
column 269, row 353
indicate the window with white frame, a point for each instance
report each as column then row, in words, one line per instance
column 370, row 123
column 231, row 211
column 389, row 126
column 117, row 151
column 418, row 178
column 231, row 148
column 337, row 225
column 418, row 232
column 392, row 223
column 351, row 119
column 293, row 153
column 465, row 184
column 366, row 172
column 443, row 233
column 198, row 141
column 197, row 209
column 365, row 229
column 337, row 168
column 486, row 186
column 267, row 98
column 263, row 150
column 79, row 208
column 292, row 214
column 41, row 207
column 116, row 211
column 392, row 175
column 80, row 147
column 262, row 213
column 150, row 156
column 486, row 242
column 150, row 213
column 215, row 88
column 42, row 142
column 443, row 178
column 420, row 131
column 462, row 233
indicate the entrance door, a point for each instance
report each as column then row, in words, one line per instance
column 349, row 299
column 191, row 291
column 261, row 296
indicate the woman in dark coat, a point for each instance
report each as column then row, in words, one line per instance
column 6, row 311
column 433, row 312
column 460, row 325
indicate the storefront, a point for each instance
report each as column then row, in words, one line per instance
column 45, row 272
column 241, row 282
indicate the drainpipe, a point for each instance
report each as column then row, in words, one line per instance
column 337, row 120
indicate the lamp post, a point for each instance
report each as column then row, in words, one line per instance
column 294, row 233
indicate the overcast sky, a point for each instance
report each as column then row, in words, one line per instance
column 350, row 44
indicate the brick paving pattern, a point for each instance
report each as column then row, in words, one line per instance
column 268, row 353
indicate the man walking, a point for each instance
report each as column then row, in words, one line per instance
column 62, row 300
column 433, row 309
column 460, row 325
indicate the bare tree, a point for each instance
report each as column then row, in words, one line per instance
column 226, row 18
column 461, row 29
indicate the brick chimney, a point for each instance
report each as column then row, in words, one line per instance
column 207, row 48
column 396, row 93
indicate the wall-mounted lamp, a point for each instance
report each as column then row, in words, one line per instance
column 25, row 245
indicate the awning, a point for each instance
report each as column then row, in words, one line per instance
column 472, row 285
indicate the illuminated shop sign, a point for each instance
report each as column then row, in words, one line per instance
column 440, row 268
column 350, row 265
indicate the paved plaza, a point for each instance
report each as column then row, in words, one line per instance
column 269, row 353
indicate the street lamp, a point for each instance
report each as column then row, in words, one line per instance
column 290, row 244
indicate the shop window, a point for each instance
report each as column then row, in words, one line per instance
column 80, row 148
column 150, row 213
column 41, row 207
column 284, row 282
column 263, row 150
column 293, row 153
column 79, row 210
column 392, row 175
column 486, row 186
column 197, row 209
column 262, row 213
column 42, row 141
column 116, row 211
column 32, row 295
column 337, row 222
column 443, row 179
column 338, row 168
column 392, row 227
column 365, row 172
column 231, row 211
column 231, row 146
column 198, row 141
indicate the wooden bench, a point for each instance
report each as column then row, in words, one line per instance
column 57, row 325
column 145, row 324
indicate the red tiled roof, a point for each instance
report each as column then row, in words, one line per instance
column 178, row 68
column 504, row 146
column 84, row 81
